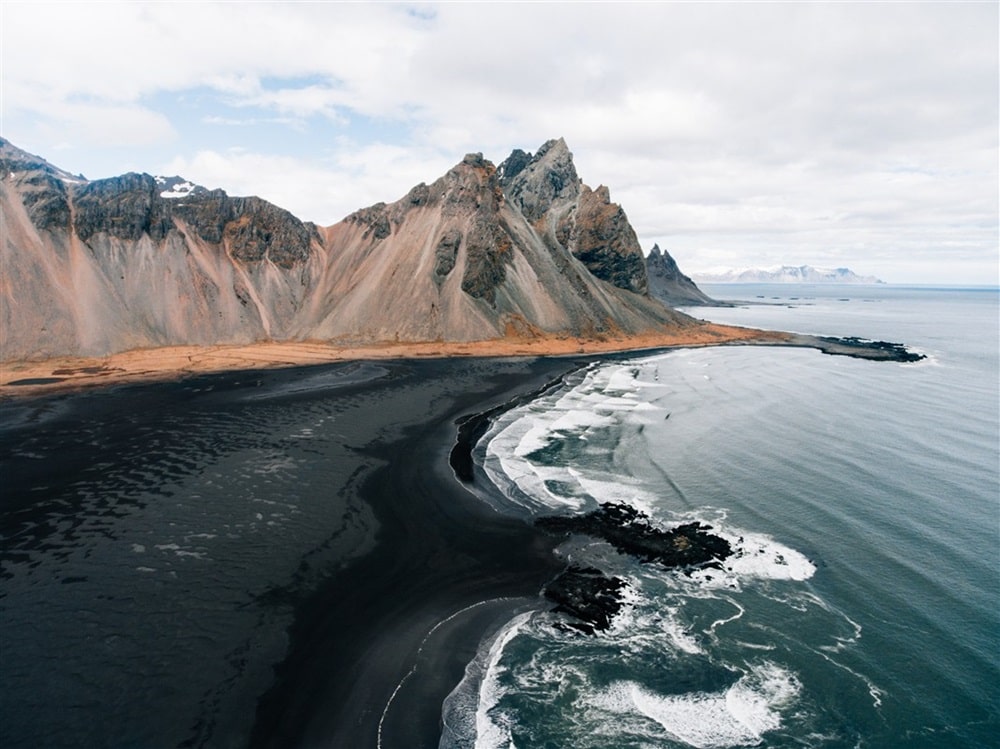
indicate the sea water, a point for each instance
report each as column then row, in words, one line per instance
column 861, row 607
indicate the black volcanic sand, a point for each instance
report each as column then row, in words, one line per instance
column 346, row 624
column 388, row 597
column 411, row 613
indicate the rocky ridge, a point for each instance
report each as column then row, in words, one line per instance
column 524, row 250
column 668, row 284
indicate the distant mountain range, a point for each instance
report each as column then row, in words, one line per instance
column 784, row 274
column 520, row 250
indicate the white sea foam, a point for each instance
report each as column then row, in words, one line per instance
column 469, row 716
column 539, row 455
column 489, row 733
column 737, row 716
column 606, row 397
column 759, row 556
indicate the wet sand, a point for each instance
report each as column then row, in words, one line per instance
column 392, row 578
column 376, row 649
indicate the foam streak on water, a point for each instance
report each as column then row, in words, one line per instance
column 860, row 605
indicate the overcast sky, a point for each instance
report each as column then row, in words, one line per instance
column 835, row 134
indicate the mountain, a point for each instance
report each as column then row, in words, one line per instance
column 670, row 286
column 523, row 250
column 785, row 274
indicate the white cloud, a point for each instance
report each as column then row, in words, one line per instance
column 741, row 131
column 322, row 190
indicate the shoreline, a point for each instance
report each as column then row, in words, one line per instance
column 376, row 649
column 65, row 374
column 351, row 625
column 171, row 363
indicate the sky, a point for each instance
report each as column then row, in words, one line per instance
column 850, row 134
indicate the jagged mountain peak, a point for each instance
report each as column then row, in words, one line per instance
column 122, row 263
column 668, row 284
column 538, row 183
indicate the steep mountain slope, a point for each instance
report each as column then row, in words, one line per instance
column 96, row 267
column 670, row 286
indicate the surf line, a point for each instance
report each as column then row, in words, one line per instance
column 473, row 427
column 416, row 657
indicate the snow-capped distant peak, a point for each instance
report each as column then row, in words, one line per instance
column 782, row 274
column 178, row 187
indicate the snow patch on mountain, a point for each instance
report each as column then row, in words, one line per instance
column 178, row 187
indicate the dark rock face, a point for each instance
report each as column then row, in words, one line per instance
column 588, row 596
column 513, row 165
column 207, row 215
column 535, row 183
column 252, row 229
column 375, row 218
column 125, row 207
column 446, row 252
column 45, row 195
column 471, row 192
column 488, row 251
column 571, row 216
column 259, row 229
column 670, row 286
column 604, row 241
column 46, row 200
column 630, row 532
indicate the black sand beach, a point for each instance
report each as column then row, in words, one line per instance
column 411, row 613
column 349, row 632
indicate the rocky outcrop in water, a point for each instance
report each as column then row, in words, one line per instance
column 631, row 532
column 587, row 596
column 863, row 348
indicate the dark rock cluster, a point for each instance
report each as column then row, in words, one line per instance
column 591, row 597
column 588, row 596
column 630, row 532
column 866, row 349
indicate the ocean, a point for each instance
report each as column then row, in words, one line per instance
column 862, row 605
column 279, row 558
